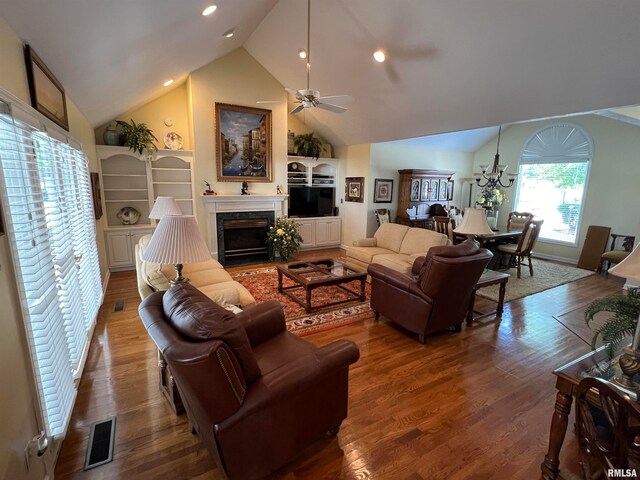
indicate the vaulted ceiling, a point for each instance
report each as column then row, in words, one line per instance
column 452, row 65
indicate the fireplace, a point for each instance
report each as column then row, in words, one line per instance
column 242, row 237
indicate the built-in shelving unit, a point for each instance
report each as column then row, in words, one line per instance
column 131, row 180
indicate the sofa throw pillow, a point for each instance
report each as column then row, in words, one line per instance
column 196, row 316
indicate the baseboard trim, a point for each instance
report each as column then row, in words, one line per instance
column 555, row 258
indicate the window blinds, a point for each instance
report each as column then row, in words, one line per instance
column 46, row 198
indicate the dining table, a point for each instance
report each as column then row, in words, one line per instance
column 491, row 241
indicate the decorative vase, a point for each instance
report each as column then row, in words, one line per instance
column 492, row 217
column 111, row 135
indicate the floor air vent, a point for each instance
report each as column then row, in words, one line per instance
column 118, row 306
column 100, row 448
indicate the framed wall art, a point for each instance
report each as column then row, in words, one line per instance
column 354, row 189
column 383, row 190
column 243, row 143
column 97, row 195
column 47, row 94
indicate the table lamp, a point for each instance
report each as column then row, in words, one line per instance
column 164, row 206
column 629, row 268
column 177, row 240
column 474, row 223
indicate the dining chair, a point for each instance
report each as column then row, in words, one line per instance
column 608, row 425
column 444, row 225
column 527, row 240
column 616, row 256
column 383, row 215
column 517, row 220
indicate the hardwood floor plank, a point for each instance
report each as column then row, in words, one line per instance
column 470, row 405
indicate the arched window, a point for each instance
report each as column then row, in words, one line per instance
column 552, row 180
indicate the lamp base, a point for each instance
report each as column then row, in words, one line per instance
column 630, row 366
column 179, row 278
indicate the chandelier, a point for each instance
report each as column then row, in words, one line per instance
column 493, row 178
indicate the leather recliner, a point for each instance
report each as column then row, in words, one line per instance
column 436, row 296
column 256, row 407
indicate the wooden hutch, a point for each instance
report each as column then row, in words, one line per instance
column 423, row 187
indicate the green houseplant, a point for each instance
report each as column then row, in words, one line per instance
column 307, row 145
column 625, row 309
column 137, row 136
column 284, row 237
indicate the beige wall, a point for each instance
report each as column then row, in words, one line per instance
column 236, row 79
column 611, row 197
column 389, row 157
column 173, row 105
column 17, row 396
column 355, row 162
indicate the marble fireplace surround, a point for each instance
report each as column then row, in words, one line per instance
column 238, row 203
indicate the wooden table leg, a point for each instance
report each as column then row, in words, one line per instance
column 308, row 306
column 472, row 303
column 551, row 465
column 362, row 297
column 279, row 281
column 500, row 307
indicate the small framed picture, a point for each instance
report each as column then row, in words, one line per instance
column 442, row 190
column 383, row 190
column 97, row 196
column 415, row 190
column 433, row 190
column 354, row 187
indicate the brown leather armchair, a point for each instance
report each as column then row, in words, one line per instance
column 252, row 418
column 437, row 295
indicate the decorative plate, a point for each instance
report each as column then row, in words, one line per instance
column 173, row 141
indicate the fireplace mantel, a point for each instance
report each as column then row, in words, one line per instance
column 237, row 203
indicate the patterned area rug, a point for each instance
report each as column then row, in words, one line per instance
column 546, row 275
column 263, row 285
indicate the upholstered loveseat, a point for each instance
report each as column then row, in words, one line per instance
column 395, row 246
column 209, row 277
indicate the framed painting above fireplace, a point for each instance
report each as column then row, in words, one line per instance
column 243, row 143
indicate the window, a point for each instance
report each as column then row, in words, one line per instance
column 45, row 191
column 552, row 180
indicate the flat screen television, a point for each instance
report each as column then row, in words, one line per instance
column 311, row 201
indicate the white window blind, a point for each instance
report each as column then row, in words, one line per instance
column 552, row 179
column 46, row 198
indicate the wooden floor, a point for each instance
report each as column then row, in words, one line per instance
column 471, row 405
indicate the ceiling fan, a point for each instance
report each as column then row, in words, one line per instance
column 308, row 98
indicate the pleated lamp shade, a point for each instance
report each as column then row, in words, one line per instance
column 177, row 240
column 474, row 222
column 629, row 268
column 164, row 206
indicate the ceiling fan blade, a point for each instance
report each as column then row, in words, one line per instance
column 297, row 93
column 337, row 99
column 268, row 101
column 299, row 108
column 331, row 108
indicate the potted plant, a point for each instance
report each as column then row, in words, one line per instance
column 625, row 309
column 137, row 136
column 307, row 145
column 284, row 237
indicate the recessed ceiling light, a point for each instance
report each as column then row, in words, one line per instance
column 168, row 82
column 379, row 56
column 209, row 10
column 228, row 33
column 302, row 53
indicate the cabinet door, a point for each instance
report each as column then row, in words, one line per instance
column 119, row 248
column 308, row 233
column 328, row 232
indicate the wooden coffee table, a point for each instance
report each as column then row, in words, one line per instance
column 320, row 273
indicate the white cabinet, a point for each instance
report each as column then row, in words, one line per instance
column 308, row 232
column 320, row 232
column 121, row 246
column 131, row 180
column 328, row 231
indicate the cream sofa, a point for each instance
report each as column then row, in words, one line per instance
column 209, row 277
column 395, row 246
